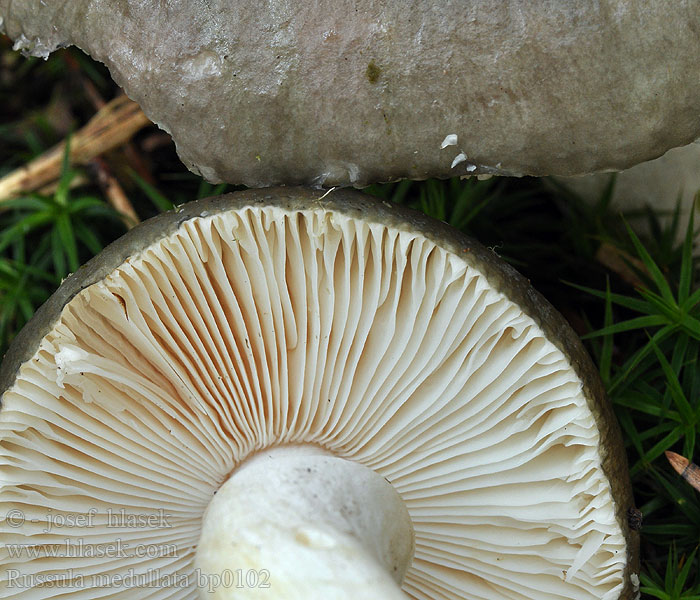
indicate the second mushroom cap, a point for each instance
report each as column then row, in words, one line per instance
column 351, row 93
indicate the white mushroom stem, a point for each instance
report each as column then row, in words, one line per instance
column 300, row 523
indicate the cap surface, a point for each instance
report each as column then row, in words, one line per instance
column 283, row 317
column 266, row 94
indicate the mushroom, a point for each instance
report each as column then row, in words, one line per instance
column 351, row 93
column 659, row 183
column 289, row 394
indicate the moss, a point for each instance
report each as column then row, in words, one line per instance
column 373, row 72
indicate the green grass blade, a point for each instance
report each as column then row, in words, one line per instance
column 648, row 406
column 27, row 203
column 59, row 259
column 652, row 267
column 682, row 577
column 603, row 203
column 673, row 386
column 87, row 237
column 83, row 203
column 206, row 189
column 657, row 450
column 607, row 346
column 639, row 356
column 23, row 227
column 673, row 313
column 61, row 195
column 631, row 432
column 626, row 301
column 691, row 301
column 629, row 325
column 67, row 237
column 686, row 277
column 158, row 199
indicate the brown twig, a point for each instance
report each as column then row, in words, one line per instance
column 133, row 156
column 686, row 469
column 114, row 192
column 619, row 261
column 111, row 126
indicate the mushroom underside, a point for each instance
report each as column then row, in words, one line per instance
column 266, row 326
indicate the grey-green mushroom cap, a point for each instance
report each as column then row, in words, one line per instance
column 288, row 317
column 351, row 93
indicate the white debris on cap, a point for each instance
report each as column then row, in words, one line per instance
column 460, row 158
column 450, row 140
